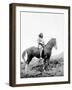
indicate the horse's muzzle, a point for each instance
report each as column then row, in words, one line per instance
column 55, row 46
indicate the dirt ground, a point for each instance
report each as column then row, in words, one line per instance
column 35, row 68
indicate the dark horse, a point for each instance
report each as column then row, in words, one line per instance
column 35, row 52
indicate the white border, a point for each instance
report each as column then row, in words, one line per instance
column 43, row 79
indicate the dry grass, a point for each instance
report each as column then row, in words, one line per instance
column 35, row 68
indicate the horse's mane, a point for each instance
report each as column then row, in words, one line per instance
column 51, row 41
column 49, row 44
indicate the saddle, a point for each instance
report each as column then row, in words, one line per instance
column 42, row 45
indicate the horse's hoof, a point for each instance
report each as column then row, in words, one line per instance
column 44, row 71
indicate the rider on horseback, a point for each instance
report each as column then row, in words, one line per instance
column 40, row 43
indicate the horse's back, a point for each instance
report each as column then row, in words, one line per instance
column 33, row 50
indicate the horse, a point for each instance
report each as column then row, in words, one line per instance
column 35, row 52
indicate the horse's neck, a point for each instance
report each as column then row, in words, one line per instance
column 49, row 46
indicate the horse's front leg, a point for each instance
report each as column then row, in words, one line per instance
column 44, row 65
column 48, row 64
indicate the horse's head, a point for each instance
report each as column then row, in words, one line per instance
column 54, row 43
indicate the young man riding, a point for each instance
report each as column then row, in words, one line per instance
column 40, row 43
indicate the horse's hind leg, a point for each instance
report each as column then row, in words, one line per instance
column 27, row 64
column 26, row 67
column 44, row 66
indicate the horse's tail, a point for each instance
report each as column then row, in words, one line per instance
column 24, row 56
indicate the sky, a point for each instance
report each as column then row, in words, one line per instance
column 50, row 24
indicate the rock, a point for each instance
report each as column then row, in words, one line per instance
column 55, row 68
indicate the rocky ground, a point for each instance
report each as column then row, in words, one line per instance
column 35, row 68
